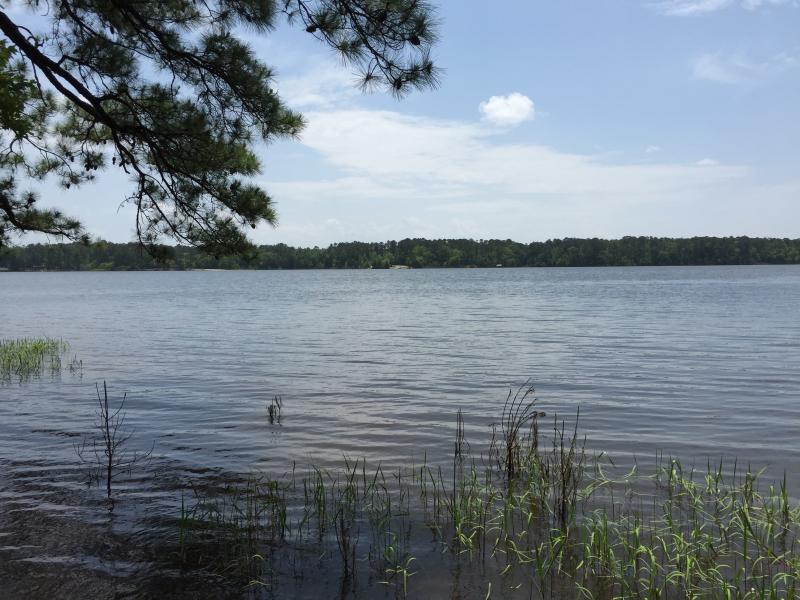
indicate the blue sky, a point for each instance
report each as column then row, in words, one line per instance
column 554, row 118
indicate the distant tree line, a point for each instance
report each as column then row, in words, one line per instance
column 415, row 253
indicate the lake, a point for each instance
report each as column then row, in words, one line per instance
column 697, row 362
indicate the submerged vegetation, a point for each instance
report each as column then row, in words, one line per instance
column 21, row 359
column 526, row 511
column 417, row 253
column 534, row 517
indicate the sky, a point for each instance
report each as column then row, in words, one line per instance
column 568, row 118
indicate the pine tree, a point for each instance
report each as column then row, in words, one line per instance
column 169, row 92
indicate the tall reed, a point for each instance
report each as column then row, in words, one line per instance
column 538, row 517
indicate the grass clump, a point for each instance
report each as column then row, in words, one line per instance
column 24, row 358
column 536, row 517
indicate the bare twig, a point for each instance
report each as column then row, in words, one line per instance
column 106, row 450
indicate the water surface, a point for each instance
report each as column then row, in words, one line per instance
column 699, row 362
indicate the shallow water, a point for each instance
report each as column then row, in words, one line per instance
column 700, row 362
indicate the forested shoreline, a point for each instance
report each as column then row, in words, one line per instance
column 415, row 253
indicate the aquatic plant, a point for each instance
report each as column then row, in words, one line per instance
column 23, row 358
column 538, row 517
column 518, row 430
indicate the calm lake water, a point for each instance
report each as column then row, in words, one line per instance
column 699, row 362
column 692, row 361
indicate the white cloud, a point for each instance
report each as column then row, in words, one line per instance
column 508, row 110
column 712, row 67
column 390, row 176
column 756, row 4
column 652, row 149
column 688, row 8
column 387, row 156
column 739, row 69
column 684, row 8
column 324, row 86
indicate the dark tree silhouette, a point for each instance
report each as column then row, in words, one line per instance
column 420, row 253
column 168, row 92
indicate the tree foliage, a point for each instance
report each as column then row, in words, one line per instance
column 169, row 92
column 421, row 253
column 25, row 111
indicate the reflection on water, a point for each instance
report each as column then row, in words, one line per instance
column 698, row 362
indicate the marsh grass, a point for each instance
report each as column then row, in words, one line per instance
column 24, row 358
column 538, row 518
column 519, row 431
column 230, row 530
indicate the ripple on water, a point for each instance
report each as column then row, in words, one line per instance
column 700, row 363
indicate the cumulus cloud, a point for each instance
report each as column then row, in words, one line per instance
column 740, row 69
column 688, row 8
column 387, row 175
column 388, row 155
column 508, row 110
